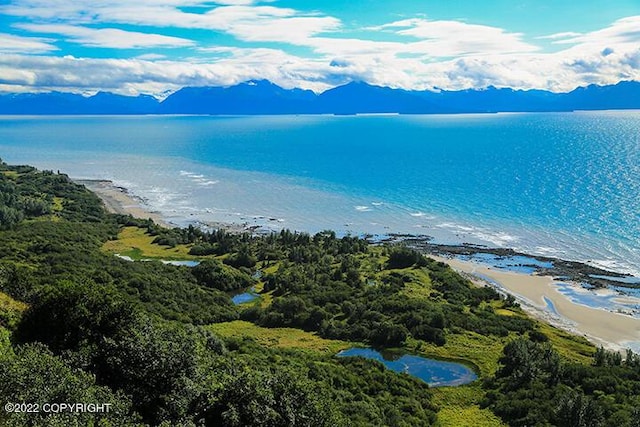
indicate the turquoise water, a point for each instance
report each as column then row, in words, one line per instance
column 436, row 373
column 556, row 184
column 617, row 300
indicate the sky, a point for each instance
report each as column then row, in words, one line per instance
column 156, row 47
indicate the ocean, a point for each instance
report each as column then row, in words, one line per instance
column 556, row 184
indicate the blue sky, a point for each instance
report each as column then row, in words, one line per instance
column 158, row 46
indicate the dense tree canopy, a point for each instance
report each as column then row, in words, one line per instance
column 534, row 387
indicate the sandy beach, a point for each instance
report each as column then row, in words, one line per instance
column 612, row 330
column 118, row 200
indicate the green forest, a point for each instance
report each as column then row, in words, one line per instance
column 164, row 345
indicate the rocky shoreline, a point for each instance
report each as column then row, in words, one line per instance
column 573, row 271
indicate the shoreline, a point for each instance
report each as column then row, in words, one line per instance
column 532, row 290
column 539, row 296
column 118, row 200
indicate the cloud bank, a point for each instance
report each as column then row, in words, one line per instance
column 155, row 46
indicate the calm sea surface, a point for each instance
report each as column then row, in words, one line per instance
column 565, row 184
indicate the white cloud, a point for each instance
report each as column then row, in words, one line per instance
column 622, row 31
column 132, row 76
column 151, row 57
column 356, row 47
column 455, row 38
column 107, row 37
column 293, row 30
column 429, row 41
column 557, row 36
column 11, row 75
column 241, row 2
column 604, row 56
column 16, row 44
column 241, row 19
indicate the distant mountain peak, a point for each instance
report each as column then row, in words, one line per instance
column 259, row 96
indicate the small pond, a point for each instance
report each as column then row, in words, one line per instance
column 184, row 263
column 244, row 297
column 436, row 373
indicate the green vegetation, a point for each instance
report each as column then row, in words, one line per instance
column 137, row 243
column 10, row 311
column 164, row 345
column 535, row 386
column 460, row 407
column 211, row 273
column 279, row 337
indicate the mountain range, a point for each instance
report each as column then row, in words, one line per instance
column 263, row 97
